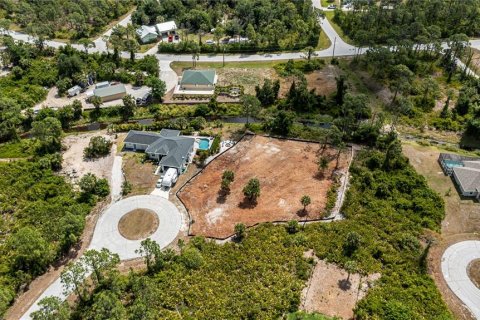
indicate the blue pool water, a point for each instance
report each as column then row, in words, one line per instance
column 203, row 144
column 453, row 163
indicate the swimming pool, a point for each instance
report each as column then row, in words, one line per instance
column 453, row 163
column 203, row 144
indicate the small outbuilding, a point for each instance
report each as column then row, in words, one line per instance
column 111, row 93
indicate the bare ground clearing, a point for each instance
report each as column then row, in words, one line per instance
column 474, row 272
column 332, row 292
column 140, row 175
column 286, row 169
column 138, row 224
column 75, row 166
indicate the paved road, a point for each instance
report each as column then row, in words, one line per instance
column 455, row 261
column 106, row 234
column 117, row 179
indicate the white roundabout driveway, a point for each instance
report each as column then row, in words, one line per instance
column 455, row 262
column 106, row 233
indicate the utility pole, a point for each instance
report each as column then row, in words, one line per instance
column 334, row 43
column 223, row 56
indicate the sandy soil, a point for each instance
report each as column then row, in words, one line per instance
column 140, row 175
column 474, row 272
column 323, row 81
column 331, row 292
column 75, row 166
column 283, row 182
column 138, row 224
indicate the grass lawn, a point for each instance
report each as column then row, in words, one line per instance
column 14, row 150
column 329, row 15
column 323, row 42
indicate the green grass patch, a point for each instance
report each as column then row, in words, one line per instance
column 21, row 149
column 338, row 29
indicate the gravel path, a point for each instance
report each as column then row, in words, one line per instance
column 455, row 262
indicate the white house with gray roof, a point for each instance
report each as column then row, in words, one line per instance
column 465, row 172
column 167, row 147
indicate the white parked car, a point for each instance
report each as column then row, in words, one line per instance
column 159, row 183
column 210, row 42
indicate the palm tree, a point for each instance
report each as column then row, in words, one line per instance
column 351, row 267
column 305, row 201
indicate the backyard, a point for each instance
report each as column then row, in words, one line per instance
column 283, row 182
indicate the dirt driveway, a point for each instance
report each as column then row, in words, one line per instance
column 286, row 169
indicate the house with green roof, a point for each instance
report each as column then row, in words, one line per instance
column 198, row 82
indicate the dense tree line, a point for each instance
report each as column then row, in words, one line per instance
column 283, row 24
column 67, row 19
column 41, row 219
column 394, row 22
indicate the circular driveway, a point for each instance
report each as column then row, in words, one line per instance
column 455, row 262
column 106, row 234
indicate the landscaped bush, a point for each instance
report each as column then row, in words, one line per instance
column 215, row 147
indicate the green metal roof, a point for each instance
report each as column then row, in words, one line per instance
column 109, row 91
column 198, row 77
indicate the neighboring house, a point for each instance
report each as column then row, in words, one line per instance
column 110, row 93
column 198, row 80
column 465, row 171
column 166, row 29
column 167, row 147
column 147, row 34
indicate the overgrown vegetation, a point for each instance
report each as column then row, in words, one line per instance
column 268, row 25
column 41, row 219
column 65, row 19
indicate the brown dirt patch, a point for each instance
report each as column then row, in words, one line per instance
column 474, row 272
column 322, row 81
column 287, row 170
column 247, row 77
column 330, row 293
column 138, row 224
column 140, row 175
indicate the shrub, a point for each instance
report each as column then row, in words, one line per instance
column 215, row 147
column 97, row 147
column 252, row 189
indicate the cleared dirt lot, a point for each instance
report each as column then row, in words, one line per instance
column 286, row 169
column 474, row 272
column 332, row 292
column 74, row 166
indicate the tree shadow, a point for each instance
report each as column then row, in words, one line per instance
column 222, row 196
column 302, row 213
column 344, row 284
column 247, row 204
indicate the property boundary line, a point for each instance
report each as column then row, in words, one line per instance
column 275, row 222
